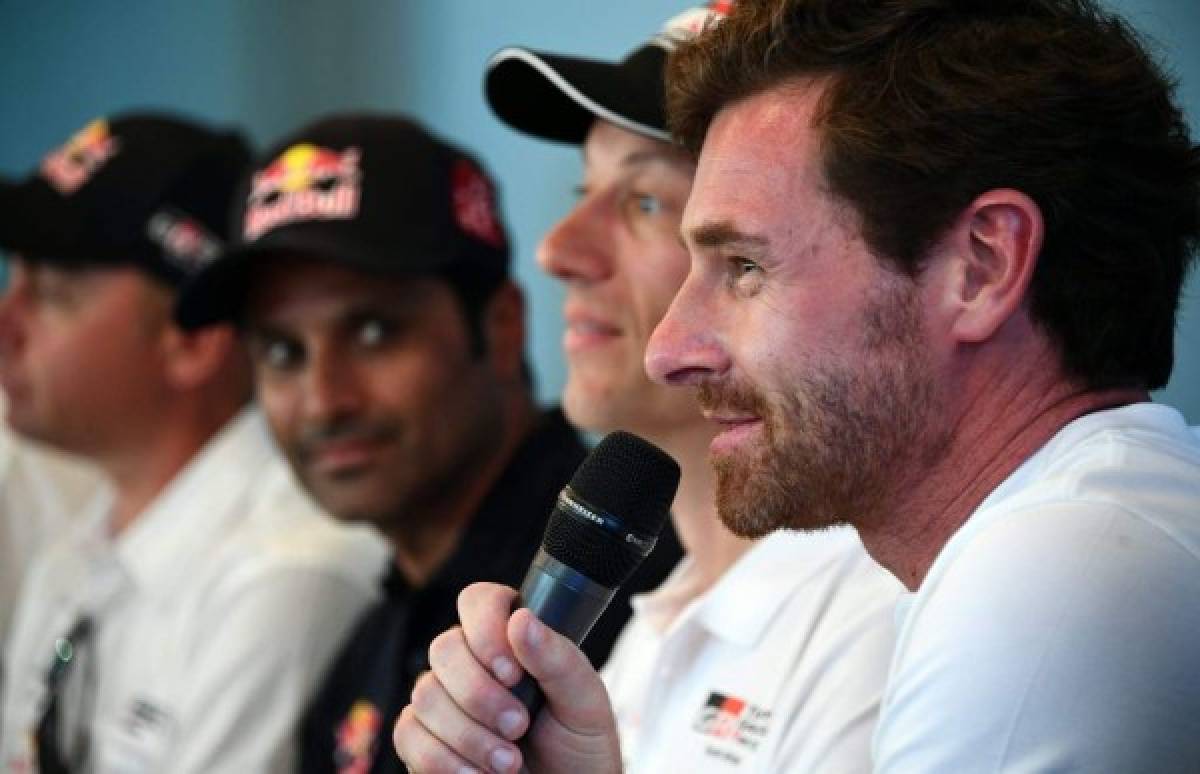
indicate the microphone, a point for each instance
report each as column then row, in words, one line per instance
column 604, row 524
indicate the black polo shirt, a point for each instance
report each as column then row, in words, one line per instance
column 347, row 729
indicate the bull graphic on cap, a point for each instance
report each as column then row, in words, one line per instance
column 306, row 182
column 67, row 168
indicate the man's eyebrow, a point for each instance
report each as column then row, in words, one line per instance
column 256, row 330
column 724, row 234
column 648, row 156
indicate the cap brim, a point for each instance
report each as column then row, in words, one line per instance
column 26, row 209
column 559, row 97
column 8, row 199
column 217, row 294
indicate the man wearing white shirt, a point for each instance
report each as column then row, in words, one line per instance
column 204, row 592
column 763, row 656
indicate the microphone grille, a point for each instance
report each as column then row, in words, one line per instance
column 627, row 478
column 630, row 478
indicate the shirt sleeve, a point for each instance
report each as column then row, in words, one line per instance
column 269, row 647
column 1062, row 638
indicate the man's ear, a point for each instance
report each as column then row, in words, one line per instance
column 504, row 330
column 991, row 251
column 193, row 358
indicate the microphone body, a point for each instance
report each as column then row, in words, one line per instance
column 564, row 599
column 604, row 524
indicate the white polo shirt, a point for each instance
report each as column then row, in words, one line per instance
column 1059, row 628
column 41, row 494
column 780, row 666
column 216, row 613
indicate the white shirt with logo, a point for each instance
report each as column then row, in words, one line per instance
column 1059, row 628
column 216, row 613
column 780, row 666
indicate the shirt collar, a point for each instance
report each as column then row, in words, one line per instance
column 198, row 504
column 7, row 446
column 507, row 528
column 746, row 599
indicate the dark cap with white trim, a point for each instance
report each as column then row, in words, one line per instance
column 557, row 97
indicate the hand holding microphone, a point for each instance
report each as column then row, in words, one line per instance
column 463, row 712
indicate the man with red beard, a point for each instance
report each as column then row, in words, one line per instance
column 937, row 252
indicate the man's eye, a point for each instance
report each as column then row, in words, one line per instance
column 373, row 332
column 743, row 273
column 279, row 354
column 647, row 204
column 742, row 266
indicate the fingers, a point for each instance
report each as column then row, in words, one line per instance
column 484, row 610
column 462, row 712
column 573, row 689
column 422, row 752
column 475, row 690
column 433, row 734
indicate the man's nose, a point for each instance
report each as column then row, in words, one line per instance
column 578, row 247
column 331, row 386
column 686, row 346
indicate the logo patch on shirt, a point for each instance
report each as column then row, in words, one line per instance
column 137, row 739
column 145, row 717
column 305, row 183
column 69, row 167
column 356, row 738
column 738, row 725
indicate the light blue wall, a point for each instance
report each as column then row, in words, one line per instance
column 1175, row 26
column 273, row 64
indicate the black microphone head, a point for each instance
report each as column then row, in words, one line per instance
column 608, row 517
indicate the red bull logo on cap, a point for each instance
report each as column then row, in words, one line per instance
column 306, row 182
column 69, row 167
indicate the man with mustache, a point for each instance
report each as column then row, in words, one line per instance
column 388, row 340
column 696, row 681
column 159, row 608
column 937, row 251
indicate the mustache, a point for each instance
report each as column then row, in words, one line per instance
column 730, row 397
column 316, row 435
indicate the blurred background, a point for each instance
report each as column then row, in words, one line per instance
column 271, row 65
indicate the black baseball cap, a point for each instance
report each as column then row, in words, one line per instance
column 143, row 189
column 558, row 97
column 375, row 193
